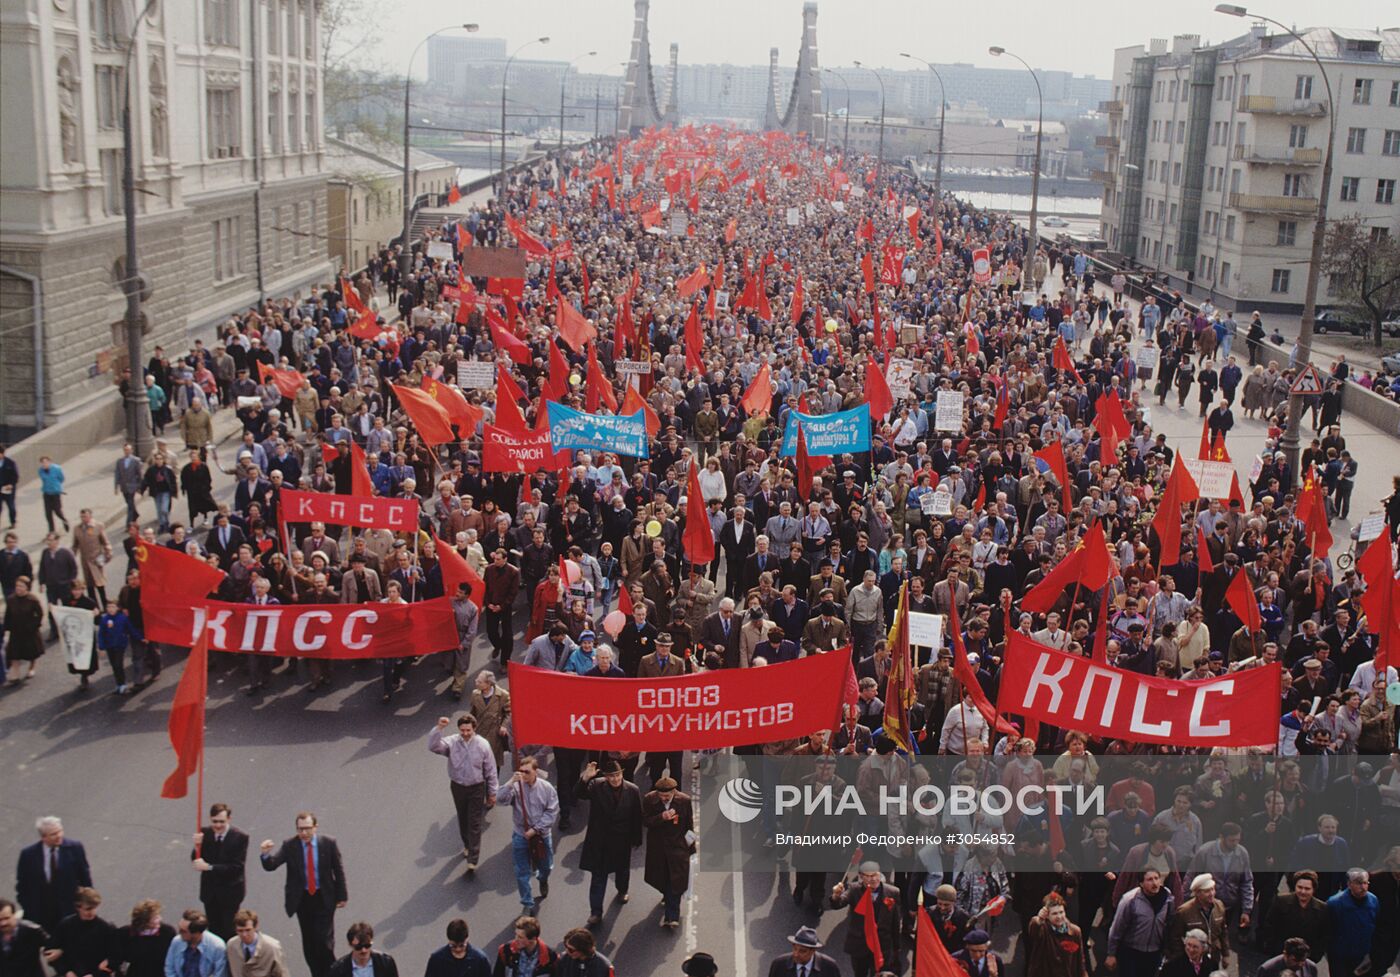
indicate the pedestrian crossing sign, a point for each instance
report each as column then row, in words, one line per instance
column 1307, row 382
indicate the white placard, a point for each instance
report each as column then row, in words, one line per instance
column 627, row 181
column 811, row 209
column 1146, row 358
column 942, row 502
column 794, row 217
column 856, row 191
column 1255, row 470
column 1371, row 527
column 632, row 366
column 899, row 375
column 77, row 634
column 927, row 503
column 439, row 251
column 664, row 204
column 839, row 206
column 476, row 374
column 925, row 630
column 679, row 224
column 1213, row 478
column 949, row 413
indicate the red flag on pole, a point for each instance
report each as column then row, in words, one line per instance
column 431, row 418
column 796, row 307
column 962, row 670
column 597, row 389
column 692, row 283
column 508, row 343
column 877, row 391
column 865, row 908
column 1240, row 596
column 455, row 569
column 698, row 537
column 1203, row 559
column 1053, row 454
column 186, row 723
column 759, row 397
column 694, row 340
column 577, row 331
column 1063, row 361
column 360, row 485
column 931, row 957
column 867, row 272
column 1381, row 601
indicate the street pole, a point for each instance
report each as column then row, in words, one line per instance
column 942, row 123
column 1292, row 434
column 406, row 251
column 138, row 408
column 1034, row 244
column 563, row 79
column 597, row 106
column 505, row 79
column 846, row 138
column 880, row 156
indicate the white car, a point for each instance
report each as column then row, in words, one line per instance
column 1056, row 222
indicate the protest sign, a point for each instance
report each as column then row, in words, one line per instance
column 476, row 374
column 569, row 428
column 948, row 415
column 845, row 432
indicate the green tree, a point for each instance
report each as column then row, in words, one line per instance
column 362, row 97
column 1363, row 267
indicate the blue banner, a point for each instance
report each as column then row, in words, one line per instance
column 829, row 434
column 569, row 428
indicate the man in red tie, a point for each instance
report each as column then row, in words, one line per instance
column 314, row 890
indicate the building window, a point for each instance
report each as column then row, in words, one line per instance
column 1297, row 137
column 1225, row 273
column 1171, row 217
column 109, row 96
column 221, row 22
column 1356, row 140
column 104, row 24
column 1169, row 255
column 1151, row 170
column 289, row 7
column 1361, row 92
column 1302, row 88
column 1176, row 175
column 1385, row 191
column 308, row 102
column 226, row 239
column 1279, row 284
column 274, row 31
column 1181, row 132
column 1287, row 234
column 1229, row 227
column 1156, row 250
column 1395, row 94
column 110, row 160
column 1379, row 234
column 224, row 109
column 1171, row 91
column 308, row 33
column 1239, row 133
column 293, row 124
column 1390, row 145
column 1235, row 181
column 274, row 122
column 1351, row 188
column 1293, row 184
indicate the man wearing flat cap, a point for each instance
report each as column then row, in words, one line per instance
column 806, row 958
column 884, row 901
column 670, row 822
column 614, row 829
column 976, row 957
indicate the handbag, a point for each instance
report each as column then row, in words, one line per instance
column 535, row 845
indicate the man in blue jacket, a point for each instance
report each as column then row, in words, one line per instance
column 1353, row 913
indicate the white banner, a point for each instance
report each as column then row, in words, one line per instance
column 476, row 374
column 1147, row 358
column 77, row 633
column 632, row 366
column 949, row 413
column 1213, row 478
column 925, row 630
column 899, row 375
column 794, row 217
column 440, row 250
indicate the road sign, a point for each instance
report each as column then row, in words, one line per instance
column 1307, row 382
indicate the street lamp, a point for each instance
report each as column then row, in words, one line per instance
column 406, row 254
column 846, row 138
column 138, row 410
column 942, row 120
column 563, row 79
column 1034, row 243
column 880, row 157
column 1292, row 433
column 505, row 75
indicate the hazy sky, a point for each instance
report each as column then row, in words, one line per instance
column 1078, row 36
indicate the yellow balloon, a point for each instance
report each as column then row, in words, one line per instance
column 574, row 379
column 831, row 325
column 654, row 528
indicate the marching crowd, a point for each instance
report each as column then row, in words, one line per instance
column 742, row 300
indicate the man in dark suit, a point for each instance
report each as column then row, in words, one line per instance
column 888, row 918
column 220, row 854
column 806, row 958
column 762, row 560
column 360, row 936
column 311, row 896
column 223, row 541
column 736, row 539
column 721, row 629
column 21, row 943
column 49, row 873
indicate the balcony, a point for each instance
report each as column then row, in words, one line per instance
column 1102, row 176
column 1270, row 105
column 1114, row 107
column 1270, row 204
column 1311, row 156
column 1106, row 142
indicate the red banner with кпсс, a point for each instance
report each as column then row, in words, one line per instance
column 397, row 515
column 710, row 710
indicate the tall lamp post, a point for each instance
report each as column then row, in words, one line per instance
column 138, row 410
column 846, row 138
column 942, row 120
column 563, row 80
column 1026, row 276
column 1292, row 433
column 406, row 254
column 880, row 157
column 505, row 78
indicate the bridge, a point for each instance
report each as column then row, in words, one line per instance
column 643, row 107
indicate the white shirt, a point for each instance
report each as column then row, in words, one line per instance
column 1366, row 675
column 962, row 723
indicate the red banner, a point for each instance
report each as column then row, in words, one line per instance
column 1072, row 692
column 520, row 451
column 307, row 630
column 731, row 707
column 398, row 515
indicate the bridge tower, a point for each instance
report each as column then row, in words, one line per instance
column 639, row 108
column 672, row 115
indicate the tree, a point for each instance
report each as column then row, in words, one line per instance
column 1363, row 267
column 361, row 96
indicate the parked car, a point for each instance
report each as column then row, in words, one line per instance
column 1332, row 321
column 1391, row 364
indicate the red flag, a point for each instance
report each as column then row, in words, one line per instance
column 1112, row 424
column 1203, row 559
column 866, row 232
column 850, row 695
column 1003, row 403
column 624, row 601
column 931, row 957
column 171, row 573
column 698, row 538
column 353, row 302
column 576, row 330
column 360, row 485
column 508, row 414
column 632, row 402
column 454, row 195
column 913, row 220
column 758, row 399
column 528, row 242
column 287, row 382
column 462, row 414
column 1312, row 510
column 187, row 719
column 867, row 272
column 1057, row 829
column 556, row 386
column 731, row 230
column 455, row 569
column 1240, row 596
column 1063, row 361
column 962, row 670
column 937, row 242
column 877, row 391
column 692, row 283
column 1100, row 652
column 1053, row 454
column 694, row 340
column 865, row 907
column 513, row 347
column 1180, row 488
column 1381, row 602
column 597, row 389
column 1089, row 563
column 506, row 385
column 796, row 306
column 431, row 418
